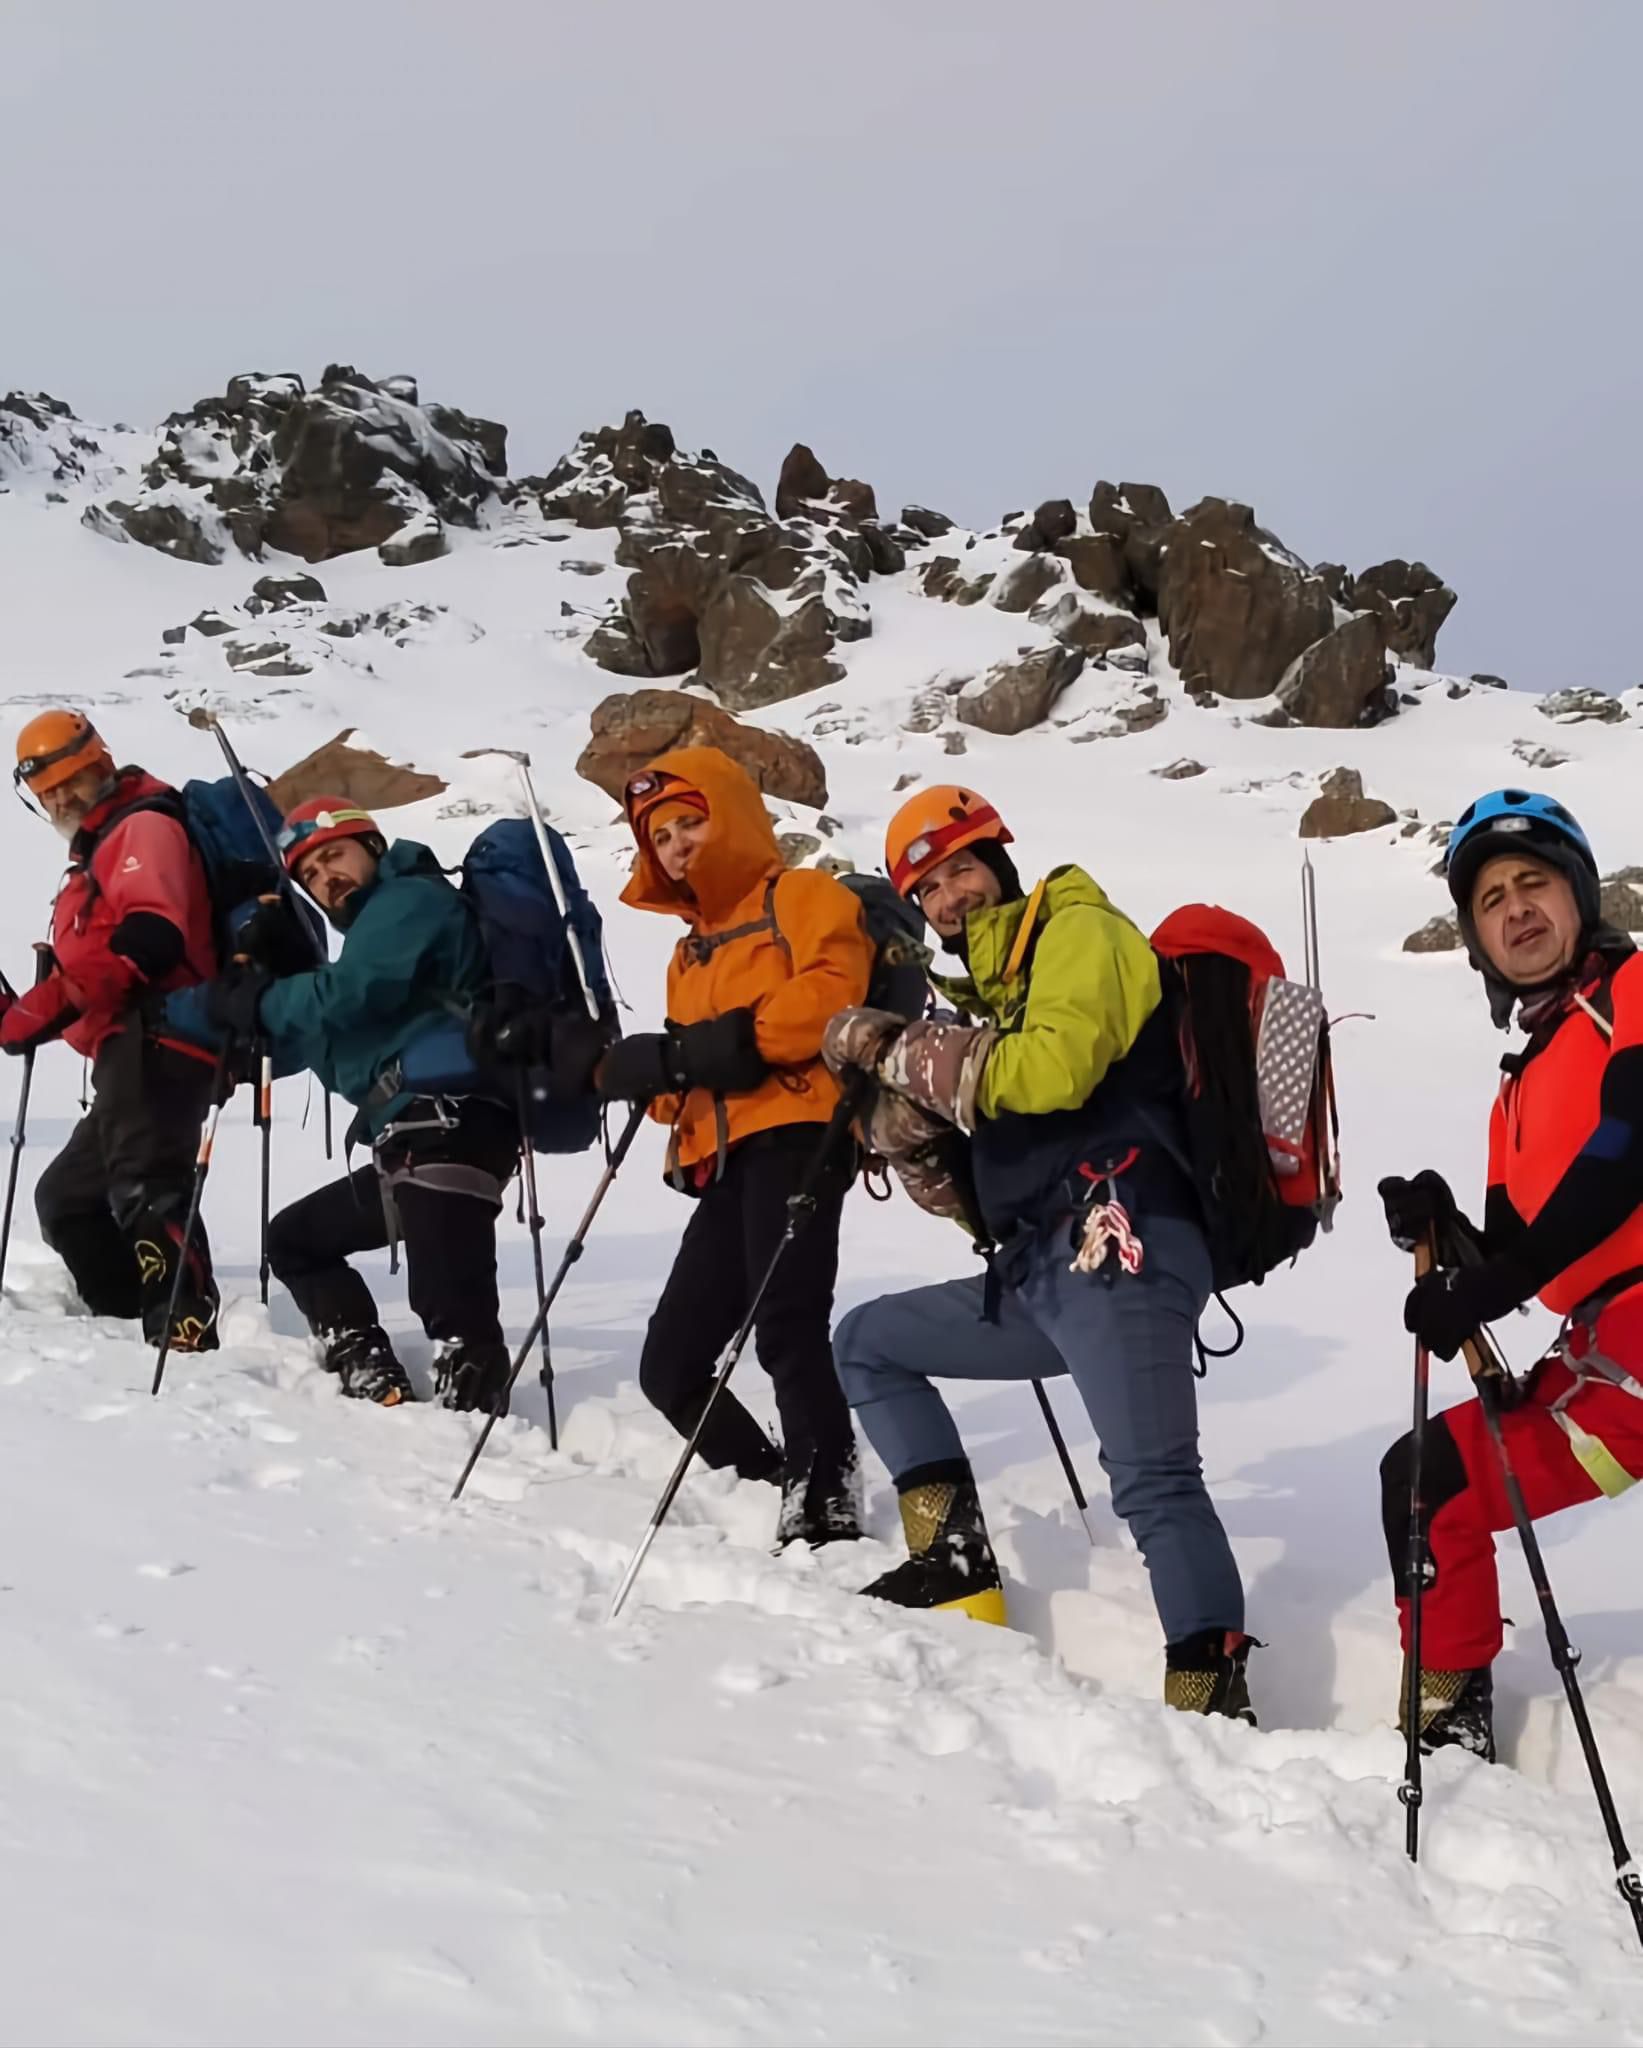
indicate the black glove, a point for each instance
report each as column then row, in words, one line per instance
column 578, row 1044
column 638, row 1068
column 1446, row 1306
column 1413, row 1207
column 232, row 1001
column 513, row 1031
column 274, row 937
column 720, row 1053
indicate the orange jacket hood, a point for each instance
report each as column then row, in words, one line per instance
column 738, row 851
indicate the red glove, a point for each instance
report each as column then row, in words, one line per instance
column 30, row 1020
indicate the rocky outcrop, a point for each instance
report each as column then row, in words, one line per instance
column 1341, row 679
column 1341, row 808
column 1136, row 518
column 40, row 438
column 1574, row 707
column 1238, row 608
column 359, row 774
column 275, row 593
column 1055, row 520
column 1437, row 935
column 1410, row 601
column 349, row 465
column 632, row 728
column 755, row 606
column 1094, row 629
column 1014, row 695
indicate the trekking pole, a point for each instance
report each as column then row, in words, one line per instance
column 1410, row 1791
column 527, row 1166
column 1489, row 1372
column 19, row 1130
column 220, row 1092
column 799, row 1206
column 264, row 1118
column 522, row 762
column 1065, row 1456
column 573, row 1251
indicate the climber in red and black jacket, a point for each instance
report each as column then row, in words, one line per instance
column 1563, row 1220
column 132, row 920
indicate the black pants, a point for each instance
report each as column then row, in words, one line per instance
column 112, row 1204
column 722, row 1257
column 448, row 1233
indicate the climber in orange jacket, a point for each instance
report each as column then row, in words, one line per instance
column 737, row 1075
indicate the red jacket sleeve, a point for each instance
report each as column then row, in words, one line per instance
column 145, row 869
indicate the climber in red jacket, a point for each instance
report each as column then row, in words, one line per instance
column 132, row 920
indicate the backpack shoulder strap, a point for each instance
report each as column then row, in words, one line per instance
column 701, row 948
column 1026, row 933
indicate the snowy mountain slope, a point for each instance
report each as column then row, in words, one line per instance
column 308, row 1753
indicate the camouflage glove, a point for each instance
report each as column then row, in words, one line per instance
column 898, row 1129
column 859, row 1038
column 939, row 1067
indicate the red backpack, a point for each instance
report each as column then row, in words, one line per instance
column 1260, row 1092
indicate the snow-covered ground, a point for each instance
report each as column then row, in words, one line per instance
column 292, row 1749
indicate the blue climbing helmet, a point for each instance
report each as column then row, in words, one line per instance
column 1521, row 821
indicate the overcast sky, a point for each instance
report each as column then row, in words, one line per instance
column 1372, row 267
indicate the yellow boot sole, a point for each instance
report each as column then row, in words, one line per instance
column 988, row 1606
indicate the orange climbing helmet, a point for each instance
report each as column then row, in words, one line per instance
column 57, row 745
column 933, row 824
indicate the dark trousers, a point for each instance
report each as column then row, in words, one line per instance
column 112, row 1204
column 722, row 1257
column 446, row 1223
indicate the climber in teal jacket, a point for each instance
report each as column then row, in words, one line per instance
column 412, row 961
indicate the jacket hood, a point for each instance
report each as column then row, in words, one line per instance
column 737, row 853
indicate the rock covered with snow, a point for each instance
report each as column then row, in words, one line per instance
column 41, row 440
column 354, row 463
column 753, row 605
column 1340, row 808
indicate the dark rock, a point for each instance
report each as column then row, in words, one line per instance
column 1237, row 606
column 247, row 654
column 1180, row 771
column 1016, row 695
column 1024, row 583
column 1340, row 679
column 210, row 624
column 806, row 491
column 1412, row 603
column 1138, row 515
column 1333, row 577
column 173, row 636
column 1535, row 756
column 1488, row 682
column 274, row 593
column 1099, row 564
column 1573, row 707
column 1093, row 631
column 1342, row 808
column 169, row 528
column 932, row 525
column 1437, row 935
column 632, row 728
column 1621, row 902
column 422, row 540
column 357, row 774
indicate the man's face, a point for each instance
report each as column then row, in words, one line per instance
column 677, row 840
column 953, row 888
column 334, row 871
column 1526, row 918
column 69, row 803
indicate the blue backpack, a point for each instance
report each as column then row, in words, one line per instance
column 224, row 834
column 506, row 886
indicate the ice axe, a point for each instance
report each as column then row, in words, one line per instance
column 522, row 761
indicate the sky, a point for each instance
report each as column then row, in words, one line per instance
column 1371, row 269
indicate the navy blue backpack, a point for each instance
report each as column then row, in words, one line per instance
column 224, row 834
column 506, row 887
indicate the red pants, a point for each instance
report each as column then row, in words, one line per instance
column 1465, row 1489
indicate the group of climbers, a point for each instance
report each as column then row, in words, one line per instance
column 1040, row 1101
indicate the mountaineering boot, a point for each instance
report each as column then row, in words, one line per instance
column 156, row 1241
column 364, row 1361
column 1457, row 1710
column 950, row 1563
column 821, row 1501
column 468, row 1376
column 1204, row 1674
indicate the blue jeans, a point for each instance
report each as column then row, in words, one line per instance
column 1127, row 1342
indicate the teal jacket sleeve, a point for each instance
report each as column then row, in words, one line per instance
column 1094, row 983
column 409, row 950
